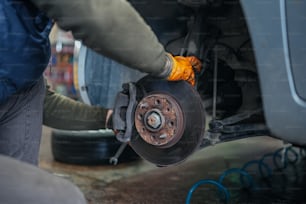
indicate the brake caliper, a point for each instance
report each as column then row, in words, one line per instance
column 124, row 111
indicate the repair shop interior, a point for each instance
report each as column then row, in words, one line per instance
column 235, row 136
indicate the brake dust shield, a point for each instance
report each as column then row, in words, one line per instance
column 169, row 119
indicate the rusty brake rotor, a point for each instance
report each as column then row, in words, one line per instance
column 169, row 119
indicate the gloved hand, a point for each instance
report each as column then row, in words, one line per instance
column 183, row 68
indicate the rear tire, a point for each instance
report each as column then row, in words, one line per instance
column 90, row 147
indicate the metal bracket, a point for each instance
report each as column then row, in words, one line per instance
column 227, row 129
column 123, row 116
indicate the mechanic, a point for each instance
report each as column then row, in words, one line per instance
column 25, row 53
column 112, row 28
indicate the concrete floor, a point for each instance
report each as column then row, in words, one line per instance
column 142, row 182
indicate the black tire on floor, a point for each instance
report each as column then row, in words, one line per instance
column 91, row 147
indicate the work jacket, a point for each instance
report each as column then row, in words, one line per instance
column 24, row 46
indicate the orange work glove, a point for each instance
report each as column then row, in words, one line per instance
column 183, row 68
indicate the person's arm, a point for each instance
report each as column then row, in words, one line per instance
column 115, row 29
column 64, row 113
column 112, row 28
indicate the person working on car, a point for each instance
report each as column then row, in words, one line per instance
column 25, row 53
column 112, row 28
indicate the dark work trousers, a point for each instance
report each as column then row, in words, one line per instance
column 21, row 183
column 21, row 124
column 20, row 133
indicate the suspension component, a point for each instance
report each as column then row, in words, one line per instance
column 164, row 122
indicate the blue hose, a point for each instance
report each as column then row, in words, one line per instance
column 220, row 187
column 242, row 174
column 284, row 155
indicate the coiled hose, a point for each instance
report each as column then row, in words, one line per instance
column 281, row 158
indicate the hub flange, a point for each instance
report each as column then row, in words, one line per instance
column 159, row 120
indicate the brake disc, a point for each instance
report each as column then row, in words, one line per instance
column 169, row 119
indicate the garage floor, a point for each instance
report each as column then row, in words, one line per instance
column 141, row 182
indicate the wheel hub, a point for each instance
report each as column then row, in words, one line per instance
column 159, row 120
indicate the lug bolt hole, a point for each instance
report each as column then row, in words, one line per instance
column 139, row 116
